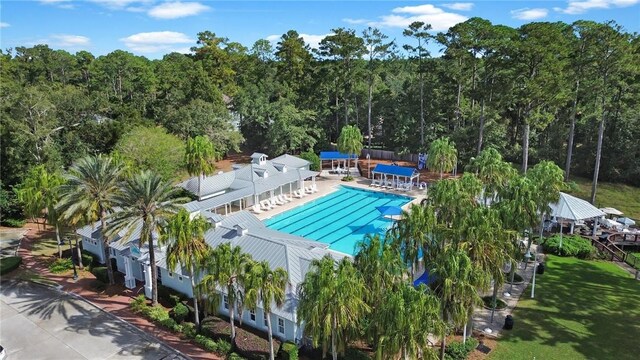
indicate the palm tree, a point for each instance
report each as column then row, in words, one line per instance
column 350, row 143
column 443, row 156
column 548, row 179
column 147, row 202
column 332, row 303
column 492, row 171
column 187, row 247
column 89, row 194
column 456, row 282
column 40, row 191
column 266, row 286
column 407, row 317
column 225, row 266
column 413, row 233
column 200, row 156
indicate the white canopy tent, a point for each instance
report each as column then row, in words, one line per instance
column 574, row 209
column 611, row 211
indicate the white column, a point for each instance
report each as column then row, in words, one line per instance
column 129, row 279
column 148, row 285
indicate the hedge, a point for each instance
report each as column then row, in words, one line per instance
column 9, row 264
column 89, row 260
column 220, row 346
column 288, row 351
column 100, row 273
column 572, row 245
column 180, row 312
column 170, row 297
column 456, row 350
column 14, row 223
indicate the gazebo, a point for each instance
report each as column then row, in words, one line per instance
column 337, row 157
column 401, row 177
column 572, row 208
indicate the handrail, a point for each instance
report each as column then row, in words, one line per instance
column 615, row 253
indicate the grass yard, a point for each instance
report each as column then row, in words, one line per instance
column 622, row 197
column 582, row 310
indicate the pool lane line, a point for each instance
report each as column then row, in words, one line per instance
column 311, row 205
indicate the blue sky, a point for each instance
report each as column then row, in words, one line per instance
column 155, row 27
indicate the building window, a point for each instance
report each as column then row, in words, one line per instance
column 225, row 301
column 159, row 274
column 170, row 274
column 264, row 318
column 179, row 278
column 252, row 315
column 281, row 325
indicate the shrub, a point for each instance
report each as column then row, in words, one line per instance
column 88, row 259
column 571, row 246
column 171, row 324
column 355, row 354
column 98, row 286
column 488, row 303
column 14, row 223
column 60, row 265
column 517, row 278
column 168, row 296
column 139, row 303
column 156, row 313
column 234, row 356
column 347, row 178
column 100, row 273
column 224, row 347
column 9, row 264
column 189, row 330
column 456, row 350
column 180, row 312
column 206, row 343
column 313, row 158
column 288, row 351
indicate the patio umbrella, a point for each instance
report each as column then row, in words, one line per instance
column 389, row 210
column 611, row 211
column 625, row 221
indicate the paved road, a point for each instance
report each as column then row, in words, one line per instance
column 9, row 241
column 39, row 322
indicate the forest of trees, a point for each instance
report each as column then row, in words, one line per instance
column 541, row 91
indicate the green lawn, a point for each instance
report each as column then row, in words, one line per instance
column 582, row 310
column 622, row 197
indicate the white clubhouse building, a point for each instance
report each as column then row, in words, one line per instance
column 224, row 200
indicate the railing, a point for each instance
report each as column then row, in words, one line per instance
column 633, row 260
column 388, row 155
column 616, row 253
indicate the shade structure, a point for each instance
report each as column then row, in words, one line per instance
column 389, row 210
column 611, row 211
column 626, row 221
column 423, row 279
column 572, row 208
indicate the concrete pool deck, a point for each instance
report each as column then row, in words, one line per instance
column 327, row 184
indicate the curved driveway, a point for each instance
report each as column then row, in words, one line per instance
column 40, row 322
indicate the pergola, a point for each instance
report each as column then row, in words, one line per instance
column 401, row 177
column 336, row 156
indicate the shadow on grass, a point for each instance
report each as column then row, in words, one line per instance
column 581, row 307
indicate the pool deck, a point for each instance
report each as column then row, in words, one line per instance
column 329, row 183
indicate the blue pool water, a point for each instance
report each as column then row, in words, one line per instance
column 339, row 219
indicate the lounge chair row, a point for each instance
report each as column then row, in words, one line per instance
column 266, row 205
column 389, row 184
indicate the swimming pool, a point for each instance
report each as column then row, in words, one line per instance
column 339, row 219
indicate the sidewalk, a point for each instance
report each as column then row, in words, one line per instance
column 115, row 301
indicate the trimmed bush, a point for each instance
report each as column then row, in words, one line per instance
column 89, row 260
column 206, row 343
column 234, row 356
column 171, row 324
column 224, row 347
column 288, row 351
column 9, row 264
column 456, row 350
column 347, row 178
column 60, row 265
column 139, row 304
column 189, row 330
column 180, row 312
column 98, row 286
column 14, row 223
column 156, row 313
column 488, row 303
column 313, row 158
column 168, row 296
column 572, row 245
column 100, row 273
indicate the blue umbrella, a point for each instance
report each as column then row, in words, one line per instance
column 389, row 210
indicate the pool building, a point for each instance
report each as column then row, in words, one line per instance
column 328, row 225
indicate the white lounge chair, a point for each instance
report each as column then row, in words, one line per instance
column 264, row 204
column 299, row 194
column 282, row 199
column 314, row 188
column 256, row 209
column 274, row 202
column 287, row 197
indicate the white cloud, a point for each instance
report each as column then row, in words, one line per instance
column 529, row 14
column 4, row 25
column 63, row 4
column 312, row 40
column 174, row 10
column 355, row 21
column 115, row 4
column 69, row 41
column 439, row 19
column 459, row 6
column 158, row 41
column 582, row 6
